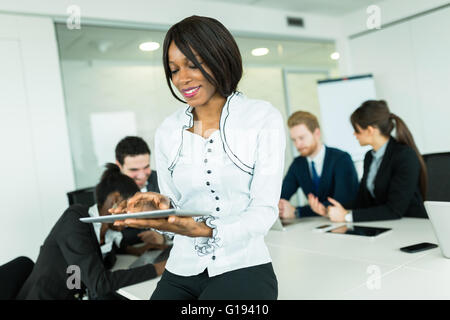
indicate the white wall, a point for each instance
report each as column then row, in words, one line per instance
column 411, row 68
column 35, row 161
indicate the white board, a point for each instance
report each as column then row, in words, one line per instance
column 338, row 98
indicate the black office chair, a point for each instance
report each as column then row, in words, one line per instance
column 438, row 167
column 13, row 275
column 84, row 196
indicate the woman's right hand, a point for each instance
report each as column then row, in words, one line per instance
column 142, row 201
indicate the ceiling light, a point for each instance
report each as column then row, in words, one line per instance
column 335, row 56
column 149, row 46
column 260, row 52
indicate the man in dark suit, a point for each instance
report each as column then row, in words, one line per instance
column 320, row 171
column 133, row 159
column 71, row 259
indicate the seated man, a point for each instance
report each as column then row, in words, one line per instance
column 82, row 246
column 320, row 171
column 133, row 159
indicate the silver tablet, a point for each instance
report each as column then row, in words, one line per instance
column 146, row 215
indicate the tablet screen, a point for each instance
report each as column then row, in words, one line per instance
column 146, row 215
column 359, row 230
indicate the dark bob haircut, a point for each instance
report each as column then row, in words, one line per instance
column 113, row 180
column 216, row 47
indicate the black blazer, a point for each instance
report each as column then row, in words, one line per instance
column 397, row 188
column 152, row 182
column 72, row 242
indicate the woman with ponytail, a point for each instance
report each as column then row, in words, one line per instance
column 394, row 182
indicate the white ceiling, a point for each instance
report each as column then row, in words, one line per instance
column 321, row 7
column 122, row 45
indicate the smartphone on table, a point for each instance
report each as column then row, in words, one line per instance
column 418, row 247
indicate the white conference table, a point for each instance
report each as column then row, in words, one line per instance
column 311, row 265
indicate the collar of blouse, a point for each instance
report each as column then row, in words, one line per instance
column 241, row 122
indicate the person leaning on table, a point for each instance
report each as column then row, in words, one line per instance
column 223, row 153
column 72, row 243
column 395, row 179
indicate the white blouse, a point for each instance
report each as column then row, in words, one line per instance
column 205, row 176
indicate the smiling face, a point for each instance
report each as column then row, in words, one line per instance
column 189, row 80
column 137, row 168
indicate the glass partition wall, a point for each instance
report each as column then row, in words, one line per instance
column 113, row 88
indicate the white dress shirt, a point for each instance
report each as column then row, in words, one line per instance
column 111, row 236
column 236, row 174
column 318, row 161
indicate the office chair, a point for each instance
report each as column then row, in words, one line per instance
column 438, row 167
column 84, row 196
column 13, row 275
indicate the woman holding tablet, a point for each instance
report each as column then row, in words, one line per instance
column 394, row 180
column 223, row 153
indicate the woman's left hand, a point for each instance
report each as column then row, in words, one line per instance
column 186, row 226
column 336, row 212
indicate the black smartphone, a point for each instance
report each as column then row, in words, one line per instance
column 323, row 226
column 419, row 247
